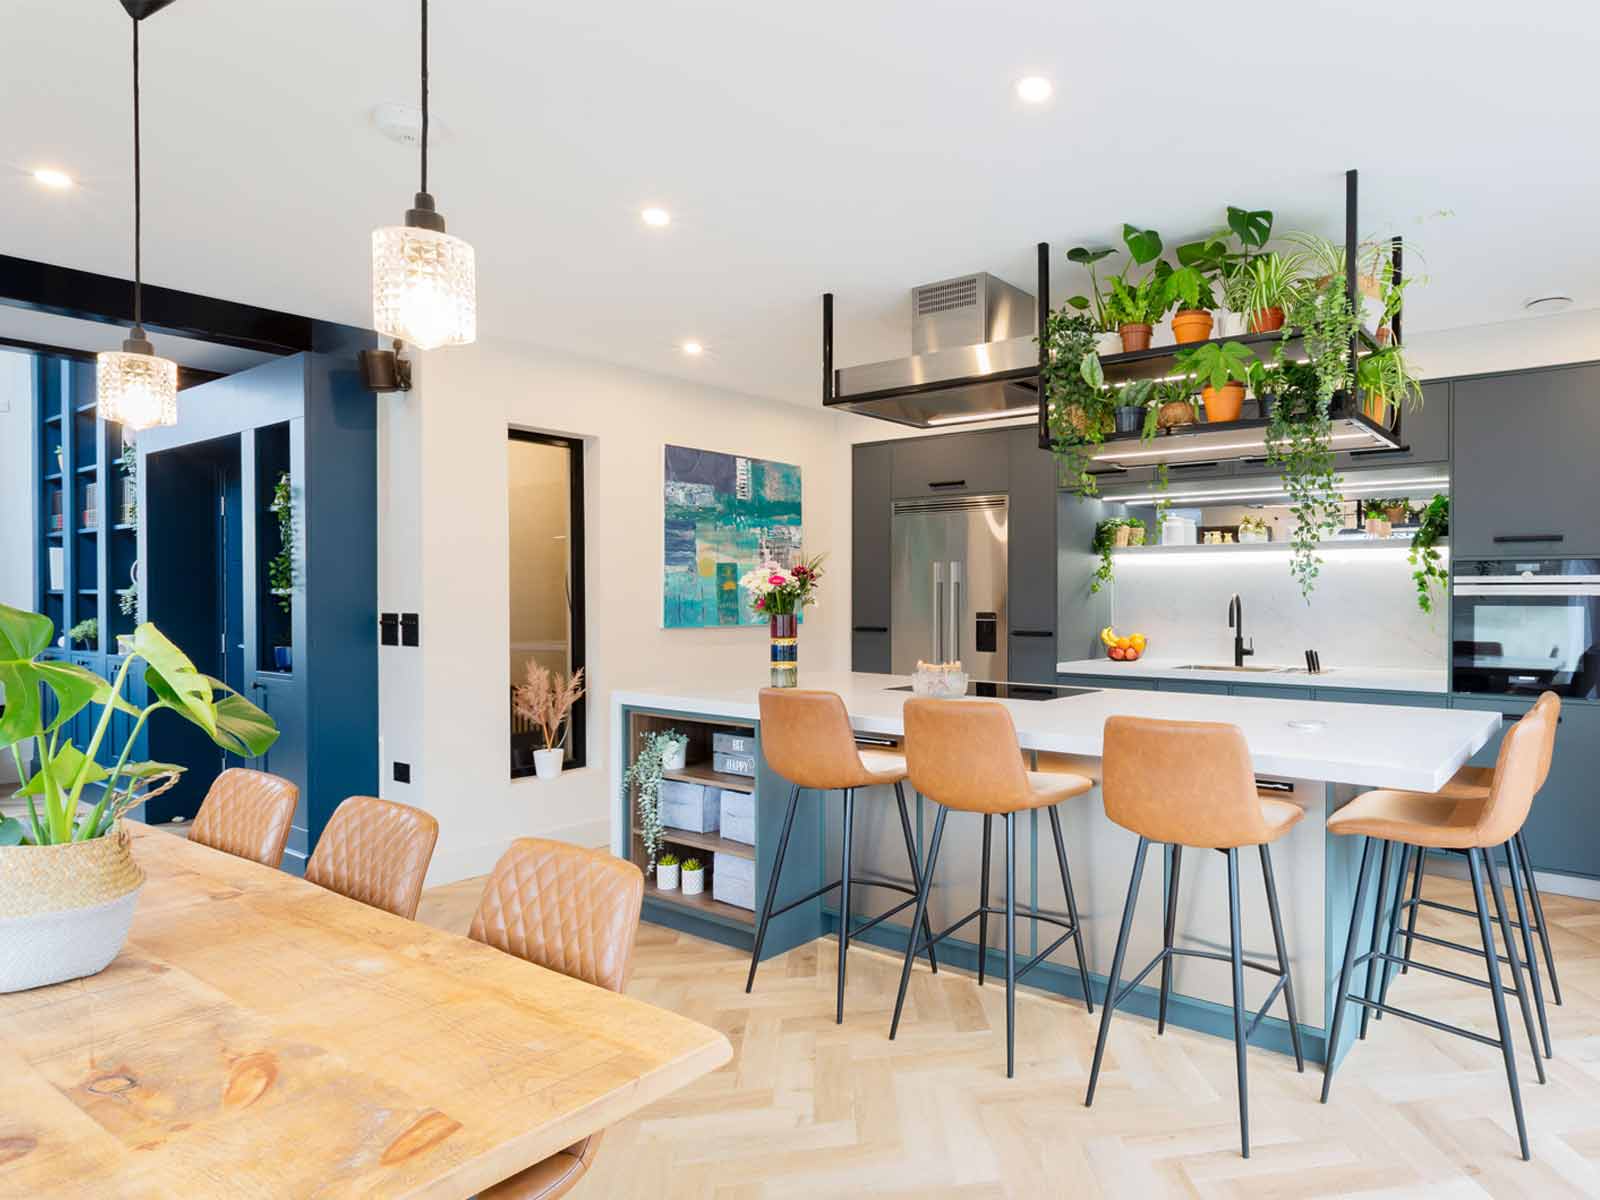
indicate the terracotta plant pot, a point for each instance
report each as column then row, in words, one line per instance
column 1174, row 413
column 1266, row 320
column 1375, row 409
column 1396, row 514
column 1135, row 337
column 1377, row 527
column 1223, row 404
column 1191, row 325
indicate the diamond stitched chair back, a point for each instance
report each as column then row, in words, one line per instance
column 247, row 814
column 377, row 852
column 575, row 911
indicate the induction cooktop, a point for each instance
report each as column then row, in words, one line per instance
column 1015, row 691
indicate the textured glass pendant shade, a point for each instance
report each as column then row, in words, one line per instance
column 424, row 287
column 135, row 388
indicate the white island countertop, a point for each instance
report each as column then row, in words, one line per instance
column 1367, row 679
column 1367, row 745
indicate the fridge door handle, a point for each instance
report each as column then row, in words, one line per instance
column 955, row 612
column 938, row 612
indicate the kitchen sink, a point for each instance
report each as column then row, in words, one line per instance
column 1231, row 667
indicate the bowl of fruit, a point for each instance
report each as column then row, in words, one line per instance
column 1122, row 648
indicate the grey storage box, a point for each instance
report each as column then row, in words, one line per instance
column 739, row 816
column 734, row 764
column 733, row 880
column 691, row 806
column 733, row 743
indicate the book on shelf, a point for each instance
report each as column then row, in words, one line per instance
column 58, row 568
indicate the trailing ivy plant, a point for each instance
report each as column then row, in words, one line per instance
column 1300, row 434
column 1105, row 540
column 280, row 571
column 1077, row 406
column 644, row 773
column 1426, row 561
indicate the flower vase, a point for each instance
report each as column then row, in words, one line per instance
column 784, row 630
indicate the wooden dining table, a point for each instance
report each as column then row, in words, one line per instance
column 260, row 1036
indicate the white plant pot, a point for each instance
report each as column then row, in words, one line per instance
column 673, row 759
column 1108, row 343
column 64, row 910
column 547, row 763
column 667, row 877
column 1230, row 324
column 1246, row 537
column 694, row 882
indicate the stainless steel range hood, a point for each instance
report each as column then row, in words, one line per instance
column 974, row 358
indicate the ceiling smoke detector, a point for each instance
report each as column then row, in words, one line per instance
column 1544, row 306
column 402, row 124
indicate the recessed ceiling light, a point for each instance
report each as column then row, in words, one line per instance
column 656, row 218
column 52, row 178
column 1543, row 306
column 1034, row 89
column 693, row 349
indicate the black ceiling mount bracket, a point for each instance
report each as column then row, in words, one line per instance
column 140, row 9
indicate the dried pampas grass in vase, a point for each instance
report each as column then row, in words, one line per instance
column 546, row 698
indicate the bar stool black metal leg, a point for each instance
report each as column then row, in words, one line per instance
column 772, row 887
column 1168, row 931
column 916, row 870
column 983, row 900
column 1011, row 948
column 1236, row 950
column 1340, row 1004
column 1395, row 911
column 1497, row 990
column 1378, row 913
column 1072, row 908
column 1283, row 953
column 916, row 920
column 1514, row 957
column 1538, row 914
column 1515, row 872
column 844, row 897
column 1411, row 919
column 1114, row 982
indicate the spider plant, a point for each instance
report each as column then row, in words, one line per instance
column 1274, row 279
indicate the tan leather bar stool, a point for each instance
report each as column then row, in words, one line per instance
column 964, row 756
column 807, row 739
column 247, row 814
column 1470, row 787
column 1430, row 822
column 1190, row 784
column 377, row 852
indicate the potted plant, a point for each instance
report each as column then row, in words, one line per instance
column 68, row 880
column 1174, row 404
column 674, row 757
column 1135, row 308
column 1254, row 529
column 1079, row 411
column 1427, row 564
column 1107, row 340
column 85, row 634
column 694, row 877
column 1110, row 534
column 1273, row 280
column 779, row 594
column 1396, row 509
column 1386, row 382
column 667, row 872
column 546, row 699
column 1222, row 369
column 1189, row 291
column 644, row 777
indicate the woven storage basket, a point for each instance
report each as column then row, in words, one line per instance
column 49, row 879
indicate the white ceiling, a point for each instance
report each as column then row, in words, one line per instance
column 860, row 147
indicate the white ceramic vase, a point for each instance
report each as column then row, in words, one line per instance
column 547, row 763
column 667, row 877
column 694, row 882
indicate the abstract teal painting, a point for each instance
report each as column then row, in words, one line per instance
column 725, row 514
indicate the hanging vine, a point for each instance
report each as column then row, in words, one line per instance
column 1077, row 407
column 1427, row 563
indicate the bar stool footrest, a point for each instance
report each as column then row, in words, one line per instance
column 1442, row 1026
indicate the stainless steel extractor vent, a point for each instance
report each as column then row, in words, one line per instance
column 967, row 311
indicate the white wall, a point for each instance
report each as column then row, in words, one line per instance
column 444, row 555
column 16, row 479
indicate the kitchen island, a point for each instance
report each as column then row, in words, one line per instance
column 1317, row 754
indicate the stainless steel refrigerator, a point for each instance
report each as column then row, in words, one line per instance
column 948, row 594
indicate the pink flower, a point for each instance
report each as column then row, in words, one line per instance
column 777, row 580
column 761, row 601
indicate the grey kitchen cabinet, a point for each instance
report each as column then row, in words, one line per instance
column 870, row 651
column 869, row 558
column 1524, row 482
column 1269, row 692
column 1032, row 659
column 1031, row 561
column 1424, row 431
column 1367, row 696
column 951, row 464
column 1562, row 833
column 1203, row 687
column 1132, row 682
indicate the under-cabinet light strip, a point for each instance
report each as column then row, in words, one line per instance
column 1026, row 410
column 1260, row 492
column 1212, row 448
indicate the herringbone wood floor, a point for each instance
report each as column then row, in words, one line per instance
column 808, row 1108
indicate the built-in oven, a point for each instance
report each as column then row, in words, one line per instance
column 1521, row 628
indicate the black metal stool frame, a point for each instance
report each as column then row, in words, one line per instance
column 844, row 883
column 1116, row 993
column 1479, row 865
column 1070, row 924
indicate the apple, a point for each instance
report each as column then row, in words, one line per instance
column 1117, row 652
column 1131, row 656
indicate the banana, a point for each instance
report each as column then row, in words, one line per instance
column 1107, row 636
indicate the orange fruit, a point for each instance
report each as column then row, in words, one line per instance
column 1138, row 641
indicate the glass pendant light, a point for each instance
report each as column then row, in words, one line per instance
column 134, row 387
column 424, row 281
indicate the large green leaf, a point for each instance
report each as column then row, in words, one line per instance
column 64, row 768
column 23, row 636
column 1085, row 256
column 1143, row 244
column 175, row 679
column 242, row 727
column 12, row 831
column 1253, row 227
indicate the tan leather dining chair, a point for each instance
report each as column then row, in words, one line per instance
column 1429, row 821
column 377, row 852
column 575, row 911
column 247, row 814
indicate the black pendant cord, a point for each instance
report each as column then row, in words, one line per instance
column 138, row 200
column 424, row 96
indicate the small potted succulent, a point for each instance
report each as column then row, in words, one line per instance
column 694, row 877
column 546, row 699
column 1254, row 529
column 667, row 872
